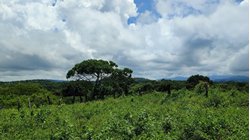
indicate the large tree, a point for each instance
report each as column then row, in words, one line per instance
column 96, row 71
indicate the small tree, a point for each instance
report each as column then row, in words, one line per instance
column 122, row 79
column 164, row 86
column 202, row 87
column 193, row 80
column 77, row 88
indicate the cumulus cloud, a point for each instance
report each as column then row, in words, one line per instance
column 45, row 38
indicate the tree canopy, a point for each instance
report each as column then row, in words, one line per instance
column 102, row 72
column 195, row 79
column 91, row 70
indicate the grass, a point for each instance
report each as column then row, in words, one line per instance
column 181, row 115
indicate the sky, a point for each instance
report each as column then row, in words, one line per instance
column 43, row 39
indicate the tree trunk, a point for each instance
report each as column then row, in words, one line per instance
column 18, row 105
column 49, row 101
column 73, row 100
column 169, row 89
column 93, row 95
column 126, row 90
column 206, row 90
column 80, row 98
column 86, row 98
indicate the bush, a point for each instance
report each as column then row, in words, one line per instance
column 202, row 87
column 214, row 100
column 44, row 98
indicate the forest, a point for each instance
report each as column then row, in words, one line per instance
column 99, row 100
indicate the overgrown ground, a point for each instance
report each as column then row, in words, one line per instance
column 183, row 115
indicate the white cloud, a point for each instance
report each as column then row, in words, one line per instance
column 48, row 37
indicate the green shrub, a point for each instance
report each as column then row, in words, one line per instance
column 183, row 115
column 214, row 100
column 200, row 88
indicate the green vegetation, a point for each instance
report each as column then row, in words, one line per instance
column 156, row 115
column 114, row 106
column 20, row 94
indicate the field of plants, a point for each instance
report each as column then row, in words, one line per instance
column 182, row 115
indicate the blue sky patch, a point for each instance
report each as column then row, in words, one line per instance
column 143, row 6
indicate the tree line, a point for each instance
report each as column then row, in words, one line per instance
column 97, row 79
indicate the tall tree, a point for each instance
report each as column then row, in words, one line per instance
column 92, row 70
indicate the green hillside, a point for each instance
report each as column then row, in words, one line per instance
column 182, row 115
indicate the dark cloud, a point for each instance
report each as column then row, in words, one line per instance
column 240, row 63
column 15, row 61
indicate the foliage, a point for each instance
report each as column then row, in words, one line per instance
column 201, row 87
column 102, row 73
column 92, row 69
column 193, row 80
column 181, row 115
column 160, row 86
column 20, row 88
column 21, row 94
column 37, row 109
column 77, row 88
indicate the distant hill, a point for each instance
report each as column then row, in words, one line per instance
column 217, row 78
column 140, row 79
column 35, row 81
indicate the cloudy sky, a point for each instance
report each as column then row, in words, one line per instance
column 43, row 39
